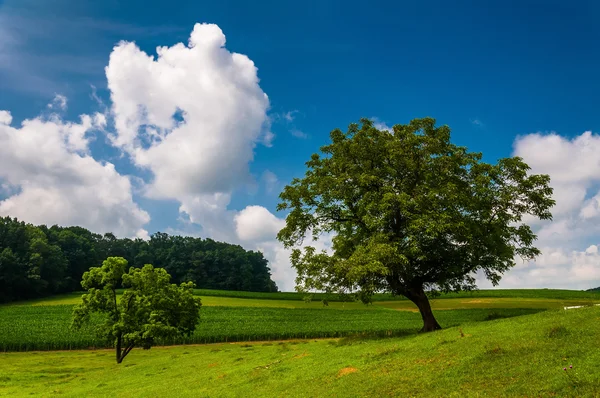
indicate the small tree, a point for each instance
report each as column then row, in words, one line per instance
column 150, row 308
column 411, row 213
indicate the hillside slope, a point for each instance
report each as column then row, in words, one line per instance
column 522, row 356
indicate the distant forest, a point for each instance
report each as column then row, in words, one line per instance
column 37, row 261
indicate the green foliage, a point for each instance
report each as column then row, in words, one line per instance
column 40, row 261
column 410, row 212
column 150, row 308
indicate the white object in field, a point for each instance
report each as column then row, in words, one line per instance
column 577, row 306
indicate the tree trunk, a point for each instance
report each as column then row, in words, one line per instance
column 119, row 357
column 420, row 299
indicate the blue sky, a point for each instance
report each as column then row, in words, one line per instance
column 492, row 71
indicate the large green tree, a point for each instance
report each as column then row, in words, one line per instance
column 150, row 308
column 411, row 213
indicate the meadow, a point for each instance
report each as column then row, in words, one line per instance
column 523, row 356
column 494, row 343
column 44, row 324
column 217, row 296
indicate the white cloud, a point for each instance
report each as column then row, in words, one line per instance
column 54, row 180
column 59, row 102
column 210, row 211
column 568, row 243
column 379, row 125
column 255, row 223
column 5, row 118
column 257, row 228
column 287, row 119
column 298, row 134
column 279, row 259
column 290, row 116
column 270, row 181
column 222, row 109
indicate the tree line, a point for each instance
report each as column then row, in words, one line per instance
column 37, row 261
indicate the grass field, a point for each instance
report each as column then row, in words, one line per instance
column 524, row 298
column 495, row 293
column 217, row 297
column 518, row 357
column 44, row 324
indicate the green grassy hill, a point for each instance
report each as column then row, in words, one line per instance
column 518, row 357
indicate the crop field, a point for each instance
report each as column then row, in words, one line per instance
column 244, row 316
column 28, row 328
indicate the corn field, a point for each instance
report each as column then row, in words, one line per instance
column 27, row 328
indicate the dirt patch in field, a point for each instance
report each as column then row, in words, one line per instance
column 346, row 371
column 212, row 365
column 301, row 355
column 477, row 301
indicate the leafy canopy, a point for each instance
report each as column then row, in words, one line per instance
column 409, row 211
column 150, row 308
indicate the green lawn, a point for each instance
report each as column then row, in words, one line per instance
column 517, row 357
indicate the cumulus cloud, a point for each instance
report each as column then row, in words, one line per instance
column 379, row 125
column 54, row 180
column 192, row 115
column 279, row 258
column 5, row 117
column 257, row 226
column 569, row 242
column 256, row 223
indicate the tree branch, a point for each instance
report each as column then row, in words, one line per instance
column 127, row 350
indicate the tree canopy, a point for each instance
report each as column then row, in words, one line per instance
column 38, row 260
column 150, row 308
column 410, row 213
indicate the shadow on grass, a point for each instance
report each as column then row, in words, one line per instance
column 511, row 313
column 359, row 338
column 452, row 321
column 485, row 314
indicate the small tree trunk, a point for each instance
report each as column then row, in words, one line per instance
column 119, row 357
column 420, row 299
